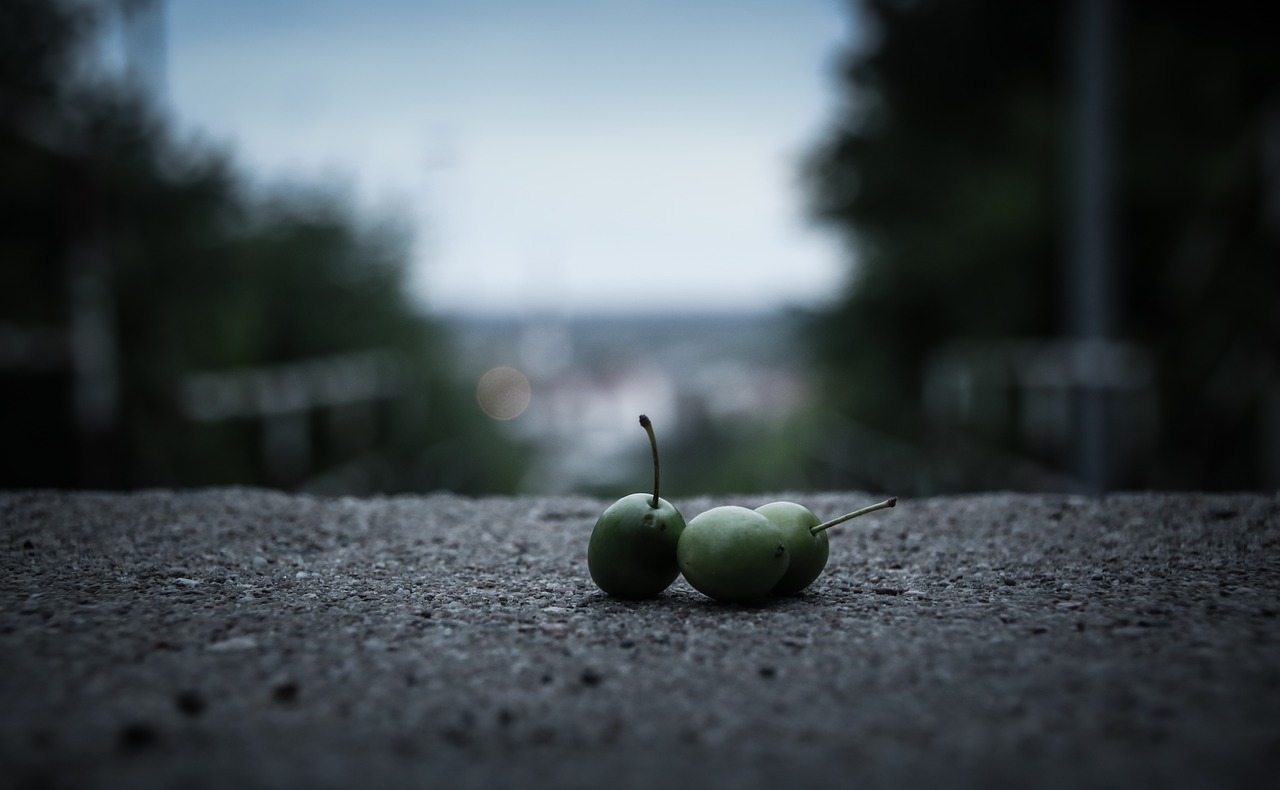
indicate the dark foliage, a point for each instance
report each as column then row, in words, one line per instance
column 133, row 264
column 949, row 173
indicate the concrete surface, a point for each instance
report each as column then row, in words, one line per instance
column 249, row 639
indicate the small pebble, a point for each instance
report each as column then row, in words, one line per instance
column 136, row 737
column 190, row 702
column 285, row 692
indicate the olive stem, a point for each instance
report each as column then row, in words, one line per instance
column 890, row 502
column 653, row 443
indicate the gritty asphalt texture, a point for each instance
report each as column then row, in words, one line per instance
column 251, row 639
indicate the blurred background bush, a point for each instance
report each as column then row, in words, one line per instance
column 1066, row 219
column 1062, row 224
column 161, row 325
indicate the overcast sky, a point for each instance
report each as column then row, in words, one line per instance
column 561, row 155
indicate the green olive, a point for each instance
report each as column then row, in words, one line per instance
column 806, row 540
column 632, row 550
column 808, row 551
column 731, row 553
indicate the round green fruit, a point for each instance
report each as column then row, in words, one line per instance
column 731, row 553
column 806, row 540
column 632, row 550
column 809, row 551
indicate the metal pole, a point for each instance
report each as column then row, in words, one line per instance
column 1093, row 309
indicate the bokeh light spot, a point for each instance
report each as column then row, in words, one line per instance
column 503, row 393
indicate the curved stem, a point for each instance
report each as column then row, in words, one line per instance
column 890, row 502
column 653, row 443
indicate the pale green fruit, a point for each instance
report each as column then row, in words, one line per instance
column 809, row 551
column 731, row 553
column 806, row 540
column 632, row 551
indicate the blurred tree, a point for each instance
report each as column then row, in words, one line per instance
column 134, row 265
column 38, row 42
column 947, row 172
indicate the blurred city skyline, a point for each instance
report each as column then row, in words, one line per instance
column 561, row 157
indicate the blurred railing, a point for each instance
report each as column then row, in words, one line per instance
column 283, row 397
column 1029, row 395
